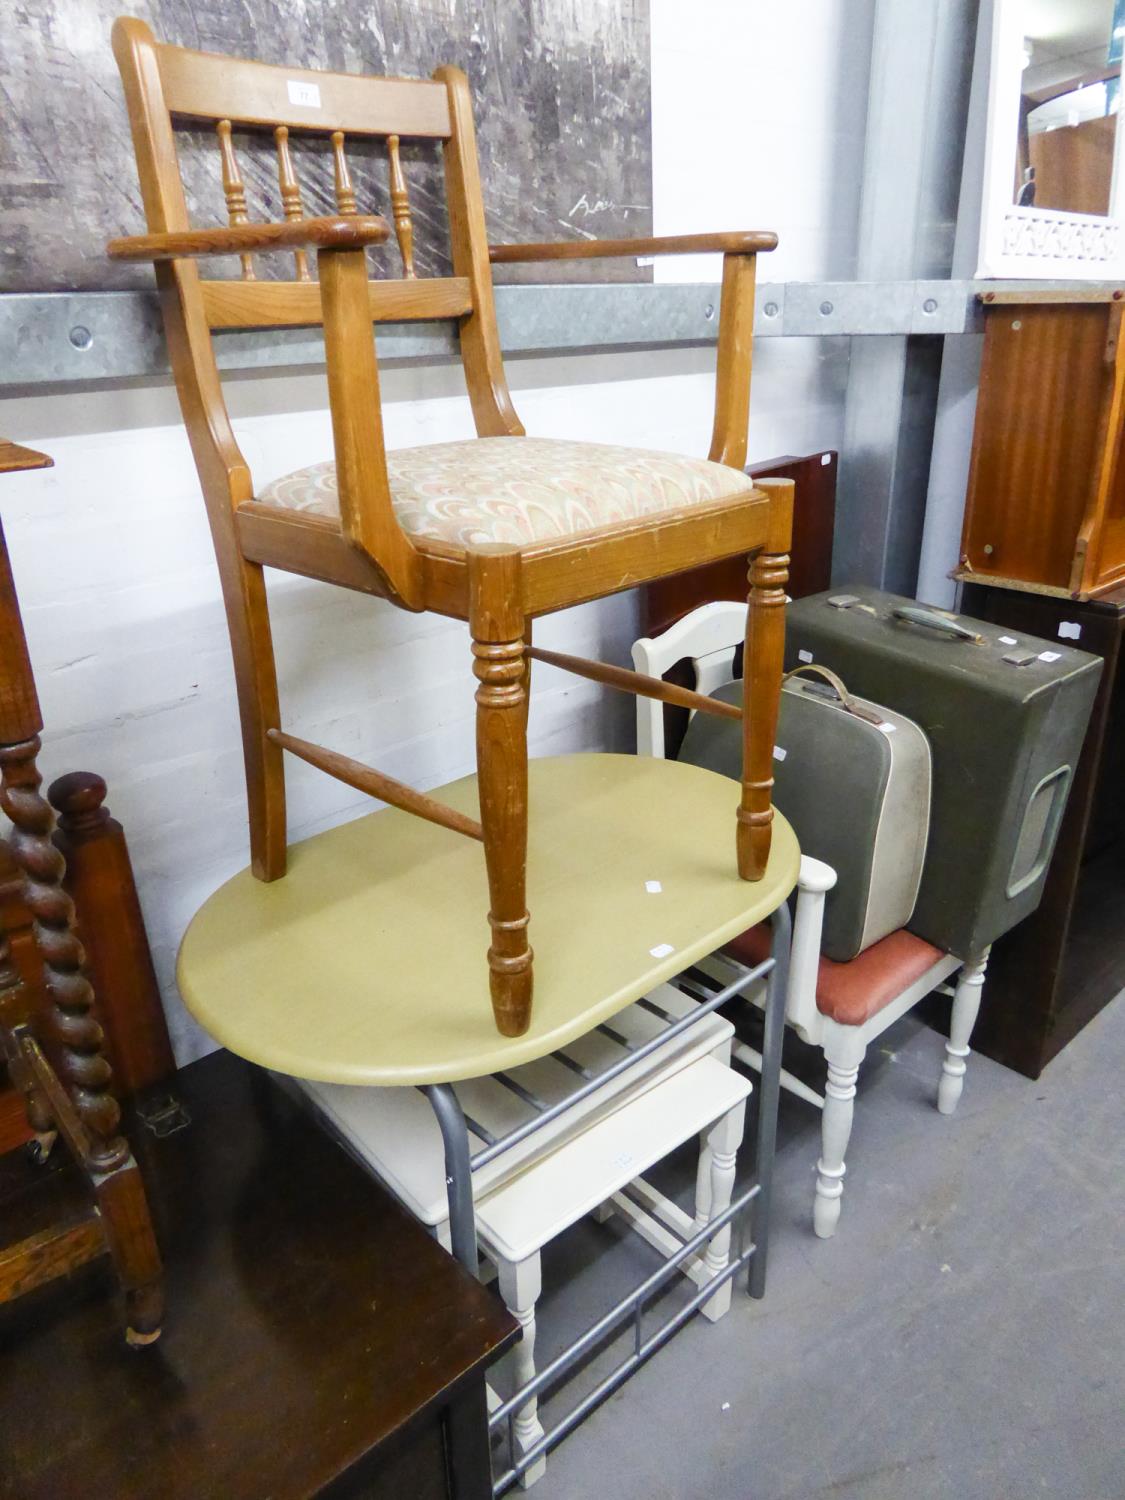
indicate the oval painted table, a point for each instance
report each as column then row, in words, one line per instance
column 366, row 963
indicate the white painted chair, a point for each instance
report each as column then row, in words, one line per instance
column 585, row 1162
column 839, row 1007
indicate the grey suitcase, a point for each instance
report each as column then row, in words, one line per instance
column 853, row 778
column 1005, row 715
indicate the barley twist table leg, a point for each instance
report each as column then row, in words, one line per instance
column 82, row 1065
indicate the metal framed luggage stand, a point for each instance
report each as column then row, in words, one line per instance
column 460, row 1165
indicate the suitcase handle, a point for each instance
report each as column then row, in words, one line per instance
column 930, row 620
column 847, row 702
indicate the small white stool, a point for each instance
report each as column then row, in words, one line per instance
column 573, row 1166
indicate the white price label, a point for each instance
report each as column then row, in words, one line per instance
column 804, row 656
column 662, row 950
column 1070, row 630
column 779, row 753
column 307, row 95
column 1050, row 655
column 1008, row 640
column 653, row 887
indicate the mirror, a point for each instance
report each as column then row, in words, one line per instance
column 1071, row 67
column 1052, row 190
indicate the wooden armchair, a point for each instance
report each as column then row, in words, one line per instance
column 496, row 530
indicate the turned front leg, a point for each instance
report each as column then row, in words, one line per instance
column 763, row 662
column 835, row 1132
column 496, row 621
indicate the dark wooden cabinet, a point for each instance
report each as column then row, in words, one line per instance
column 317, row 1341
column 1050, row 976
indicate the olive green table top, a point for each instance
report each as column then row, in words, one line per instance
column 366, row 963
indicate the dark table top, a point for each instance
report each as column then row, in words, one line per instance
column 309, row 1318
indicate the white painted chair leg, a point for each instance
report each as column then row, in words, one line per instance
column 603, row 1212
column 520, row 1283
column 835, row 1129
column 722, row 1142
column 966, row 1004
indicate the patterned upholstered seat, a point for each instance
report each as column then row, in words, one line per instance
column 521, row 490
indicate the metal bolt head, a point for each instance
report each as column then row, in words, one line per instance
column 826, row 308
column 81, row 337
column 930, row 305
column 988, row 549
column 1016, row 324
column 771, row 309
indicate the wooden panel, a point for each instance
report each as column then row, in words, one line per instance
column 206, row 86
column 1044, row 381
column 291, row 304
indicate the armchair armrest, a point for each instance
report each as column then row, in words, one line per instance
column 736, row 312
column 340, row 232
column 814, row 882
column 725, row 242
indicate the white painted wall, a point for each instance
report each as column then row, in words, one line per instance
column 113, row 557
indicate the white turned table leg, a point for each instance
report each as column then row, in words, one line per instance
column 702, row 1184
column 721, row 1146
column 835, row 1129
column 966, row 1004
column 520, row 1283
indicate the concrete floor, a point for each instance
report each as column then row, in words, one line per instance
column 962, row 1336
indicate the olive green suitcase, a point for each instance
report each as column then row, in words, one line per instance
column 1005, row 714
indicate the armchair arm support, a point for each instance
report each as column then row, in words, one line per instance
column 367, row 516
column 814, row 882
column 726, row 242
column 340, row 232
column 736, row 312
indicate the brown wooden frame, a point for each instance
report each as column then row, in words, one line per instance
column 498, row 590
